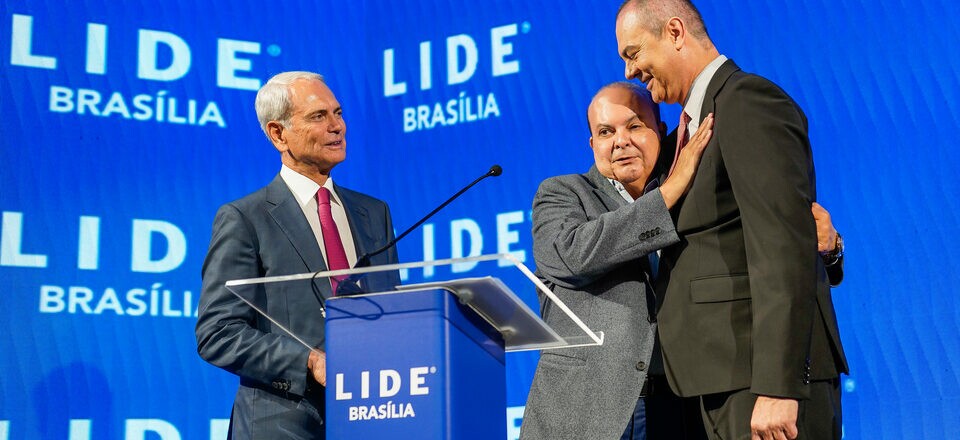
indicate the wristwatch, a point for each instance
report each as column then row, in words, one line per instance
column 832, row 257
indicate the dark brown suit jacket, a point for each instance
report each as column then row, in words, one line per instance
column 744, row 297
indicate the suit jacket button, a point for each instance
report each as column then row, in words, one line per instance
column 641, row 365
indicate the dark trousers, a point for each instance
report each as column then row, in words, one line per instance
column 662, row 415
column 727, row 415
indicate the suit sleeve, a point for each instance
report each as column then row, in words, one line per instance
column 228, row 334
column 573, row 250
column 765, row 148
column 835, row 273
column 393, row 276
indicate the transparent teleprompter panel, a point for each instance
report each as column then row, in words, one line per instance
column 495, row 301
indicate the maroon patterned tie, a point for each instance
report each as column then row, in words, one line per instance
column 682, row 138
column 336, row 257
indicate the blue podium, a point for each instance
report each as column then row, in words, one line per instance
column 416, row 365
column 423, row 361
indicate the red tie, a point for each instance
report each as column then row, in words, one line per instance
column 336, row 257
column 682, row 138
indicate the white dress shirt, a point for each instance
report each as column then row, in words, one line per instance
column 305, row 191
column 698, row 92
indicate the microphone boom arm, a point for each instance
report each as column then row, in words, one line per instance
column 349, row 285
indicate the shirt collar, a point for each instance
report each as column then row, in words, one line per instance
column 305, row 189
column 698, row 90
column 654, row 183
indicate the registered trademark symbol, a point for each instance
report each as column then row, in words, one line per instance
column 433, row 370
column 849, row 385
column 525, row 27
column 273, row 50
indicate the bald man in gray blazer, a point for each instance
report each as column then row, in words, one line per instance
column 591, row 246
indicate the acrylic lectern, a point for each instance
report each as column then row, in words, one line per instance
column 423, row 361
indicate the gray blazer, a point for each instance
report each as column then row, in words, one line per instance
column 266, row 234
column 591, row 248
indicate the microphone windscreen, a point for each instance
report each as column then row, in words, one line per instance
column 495, row 170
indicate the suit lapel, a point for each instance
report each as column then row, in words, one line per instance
column 285, row 210
column 716, row 84
column 359, row 219
column 606, row 193
column 665, row 158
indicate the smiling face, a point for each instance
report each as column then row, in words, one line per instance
column 625, row 137
column 313, row 139
column 652, row 58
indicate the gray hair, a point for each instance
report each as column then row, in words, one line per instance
column 273, row 99
column 655, row 13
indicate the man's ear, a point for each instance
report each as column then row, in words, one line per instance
column 276, row 135
column 676, row 31
column 590, row 141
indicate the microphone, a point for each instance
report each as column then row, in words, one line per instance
column 351, row 285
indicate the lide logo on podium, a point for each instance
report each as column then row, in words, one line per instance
column 388, row 384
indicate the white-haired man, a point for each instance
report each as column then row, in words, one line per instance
column 300, row 222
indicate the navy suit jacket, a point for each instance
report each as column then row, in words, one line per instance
column 266, row 234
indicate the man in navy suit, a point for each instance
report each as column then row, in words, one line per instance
column 300, row 222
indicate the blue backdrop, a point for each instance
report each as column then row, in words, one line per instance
column 126, row 124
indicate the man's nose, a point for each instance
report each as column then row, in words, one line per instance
column 629, row 71
column 336, row 125
column 620, row 139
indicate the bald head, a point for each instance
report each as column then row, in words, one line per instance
column 624, row 93
column 654, row 14
column 664, row 44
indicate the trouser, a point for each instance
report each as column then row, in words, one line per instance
column 726, row 416
column 662, row 415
